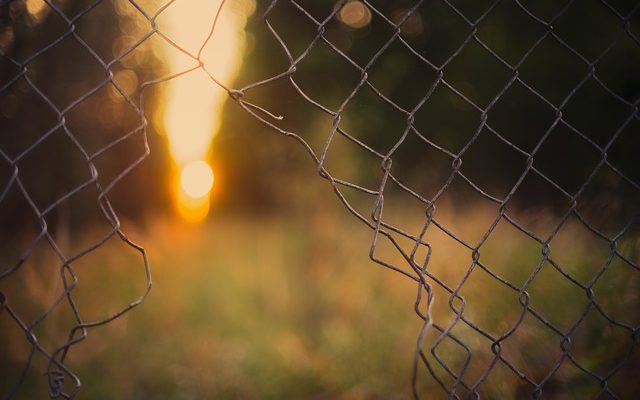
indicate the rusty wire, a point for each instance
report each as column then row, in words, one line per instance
column 428, row 363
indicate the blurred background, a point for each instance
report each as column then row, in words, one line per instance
column 263, row 285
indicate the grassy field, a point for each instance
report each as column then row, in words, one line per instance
column 290, row 306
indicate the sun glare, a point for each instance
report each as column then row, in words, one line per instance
column 193, row 101
column 191, row 209
column 196, row 179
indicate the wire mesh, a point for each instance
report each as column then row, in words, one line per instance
column 438, row 338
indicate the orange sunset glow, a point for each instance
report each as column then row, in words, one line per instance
column 194, row 101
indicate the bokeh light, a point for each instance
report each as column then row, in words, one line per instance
column 37, row 9
column 196, row 179
column 355, row 14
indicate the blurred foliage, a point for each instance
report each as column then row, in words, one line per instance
column 49, row 161
column 251, row 308
column 256, row 164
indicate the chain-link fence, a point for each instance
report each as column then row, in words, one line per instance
column 502, row 105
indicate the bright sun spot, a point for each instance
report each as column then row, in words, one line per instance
column 196, row 179
column 193, row 101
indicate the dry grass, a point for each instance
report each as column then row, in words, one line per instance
column 291, row 307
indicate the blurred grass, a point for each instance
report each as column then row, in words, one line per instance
column 290, row 306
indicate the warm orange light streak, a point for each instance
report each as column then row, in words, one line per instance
column 193, row 101
column 190, row 209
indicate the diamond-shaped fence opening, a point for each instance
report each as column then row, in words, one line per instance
column 435, row 123
column 490, row 147
column 20, row 103
column 395, row 73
